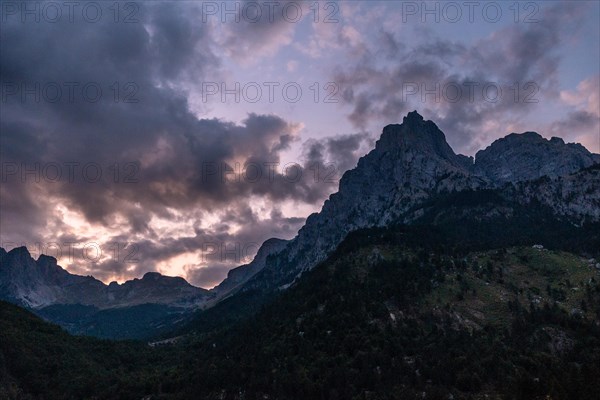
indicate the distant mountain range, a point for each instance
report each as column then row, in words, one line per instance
column 40, row 283
column 85, row 305
column 411, row 177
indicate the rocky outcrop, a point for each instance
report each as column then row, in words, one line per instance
column 575, row 197
column 32, row 283
column 528, row 156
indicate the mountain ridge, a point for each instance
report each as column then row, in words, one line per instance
column 24, row 275
column 527, row 156
column 138, row 308
column 411, row 163
column 410, row 166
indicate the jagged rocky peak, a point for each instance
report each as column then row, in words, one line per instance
column 42, row 282
column 527, row 156
column 26, row 281
column 152, row 276
column 413, row 155
column 22, row 263
column 411, row 165
column 419, row 136
column 49, row 263
column 21, row 252
column 18, row 258
column 49, row 269
column 49, row 260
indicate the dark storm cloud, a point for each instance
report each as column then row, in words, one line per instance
column 327, row 159
column 379, row 87
column 165, row 44
column 154, row 155
column 335, row 155
column 173, row 148
column 324, row 163
column 20, row 212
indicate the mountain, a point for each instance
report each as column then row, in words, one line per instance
column 427, row 275
column 528, row 156
column 156, row 289
column 411, row 312
column 84, row 305
column 39, row 283
column 412, row 176
column 138, row 308
column 412, row 164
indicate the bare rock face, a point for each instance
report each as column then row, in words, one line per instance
column 155, row 288
column 528, row 156
column 575, row 196
column 39, row 283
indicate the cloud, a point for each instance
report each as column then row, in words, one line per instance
column 586, row 97
column 258, row 29
column 330, row 33
column 582, row 123
column 173, row 181
column 136, row 165
column 292, row 65
column 330, row 157
column 457, row 83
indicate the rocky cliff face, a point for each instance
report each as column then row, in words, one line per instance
column 528, row 156
column 412, row 163
column 575, row 197
column 240, row 275
column 39, row 283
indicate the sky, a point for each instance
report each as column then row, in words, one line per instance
column 178, row 136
